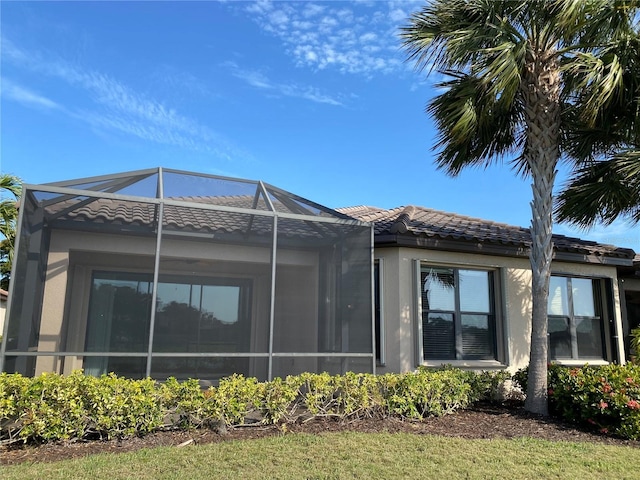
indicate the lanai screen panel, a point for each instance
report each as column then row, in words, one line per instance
column 165, row 273
column 73, row 245
column 323, row 301
column 213, row 300
column 22, row 326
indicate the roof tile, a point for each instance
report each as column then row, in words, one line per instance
column 426, row 222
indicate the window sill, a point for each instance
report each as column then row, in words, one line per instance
column 579, row 363
column 478, row 364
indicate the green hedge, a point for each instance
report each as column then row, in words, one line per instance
column 606, row 398
column 52, row 406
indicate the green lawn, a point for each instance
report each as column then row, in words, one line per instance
column 351, row 455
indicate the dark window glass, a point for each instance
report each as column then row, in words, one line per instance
column 193, row 314
column 438, row 334
column 477, row 336
column 203, row 315
column 575, row 326
column 458, row 319
column 559, row 338
column 589, row 337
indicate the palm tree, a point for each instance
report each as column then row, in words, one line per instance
column 8, row 218
column 521, row 78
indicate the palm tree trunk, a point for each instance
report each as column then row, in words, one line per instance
column 541, row 253
column 540, row 88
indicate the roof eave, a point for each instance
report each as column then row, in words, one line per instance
column 485, row 248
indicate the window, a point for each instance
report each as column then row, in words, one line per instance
column 193, row 314
column 575, row 327
column 458, row 314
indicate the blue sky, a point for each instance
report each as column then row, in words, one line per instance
column 314, row 97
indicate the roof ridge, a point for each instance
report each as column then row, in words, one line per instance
column 357, row 207
column 401, row 225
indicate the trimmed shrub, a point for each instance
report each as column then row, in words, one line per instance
column 426, row 392
column 185, row 405
column 119, row 407
column 358, row 395
column 486, row 386
column 606, row 398
column 317, row 392
column 236, row 397
column 52, row 406
column 280, row 399
column 13, row 389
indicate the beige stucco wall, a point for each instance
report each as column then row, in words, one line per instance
column 73, row 256
column 400, row 314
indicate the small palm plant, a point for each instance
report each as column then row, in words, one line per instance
column 11, row 185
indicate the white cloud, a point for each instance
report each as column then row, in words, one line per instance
column 308, row 93
column 278, row 18
column 259, row 80
column 301, row 25
column 398, row 15
column 311, row 10
column 27, row 97
column 356, row 37
column 253, row 78
column 260, row 7
column 115, row 106
column 179, row 83
column 311, row 56
column 368, row 37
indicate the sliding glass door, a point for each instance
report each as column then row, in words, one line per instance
column 193, row 315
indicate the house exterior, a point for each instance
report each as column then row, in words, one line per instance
column 168, row 273
column 456, row 290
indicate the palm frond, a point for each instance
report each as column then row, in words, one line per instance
column 602, row 192
column 475, row 126
column 482, row 49
column 602, row 103
column 8, row 218
column 455, row 34
column 11, row 183
column 598, row 79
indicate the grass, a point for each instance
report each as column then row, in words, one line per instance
column 351, row 455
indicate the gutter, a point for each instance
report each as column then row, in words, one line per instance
column 388, row 240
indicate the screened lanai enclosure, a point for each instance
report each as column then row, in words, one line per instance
column 166, row 273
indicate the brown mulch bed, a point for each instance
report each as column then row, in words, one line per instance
column 482, row 421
